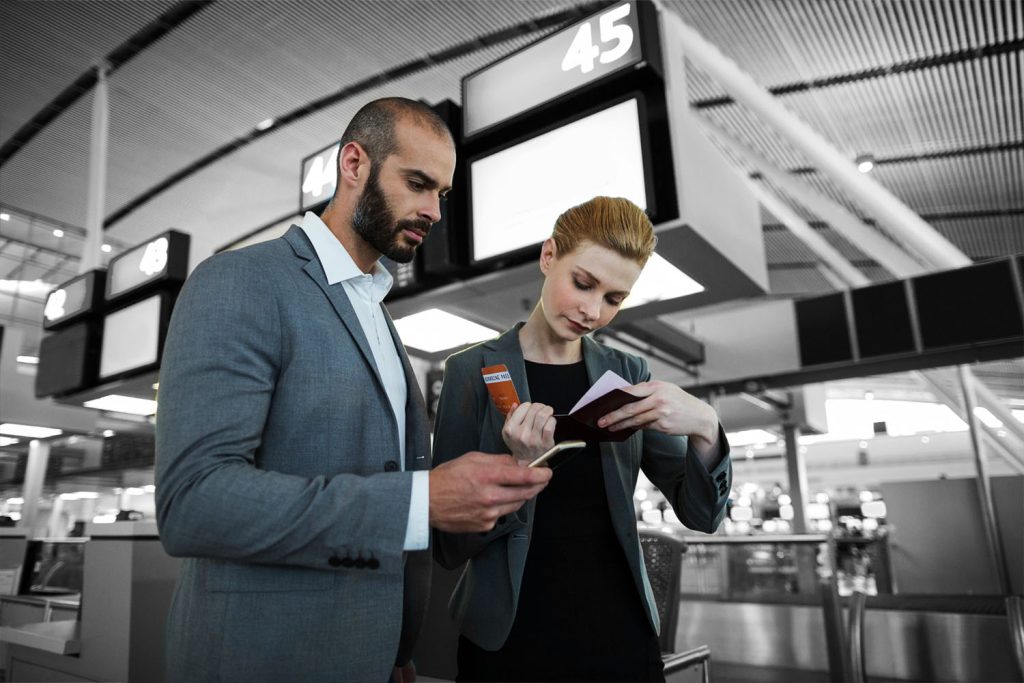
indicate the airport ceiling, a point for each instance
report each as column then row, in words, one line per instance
column 932, row 89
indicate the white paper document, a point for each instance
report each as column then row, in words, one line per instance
column 605, row 383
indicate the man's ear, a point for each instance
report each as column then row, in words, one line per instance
column 548, row 253
column 353, row 164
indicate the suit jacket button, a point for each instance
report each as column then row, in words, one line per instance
column 360, row 563
column 334, row 561
column 391, row 466
column 373, row 563
column 348, row 562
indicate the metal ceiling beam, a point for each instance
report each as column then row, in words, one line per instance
column 956, row 152
column 911, row 65
column 119, row 56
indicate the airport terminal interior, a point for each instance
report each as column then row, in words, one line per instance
column 837, row 188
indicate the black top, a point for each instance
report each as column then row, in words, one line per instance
column 580, row 615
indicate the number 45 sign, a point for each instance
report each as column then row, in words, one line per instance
column 565, row 61
column 613, row 31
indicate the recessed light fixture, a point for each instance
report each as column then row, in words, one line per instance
column 28, row 431
column 28, row 360
column 660, row 280
column 123, row 404
column 436, row 330
column 264, row 124
column 865, row 162
column 57, row 232
column 106, row 248
column 5, row 216
column 107, row 433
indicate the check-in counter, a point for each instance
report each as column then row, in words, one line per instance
column 113, row 631
column 760, row 604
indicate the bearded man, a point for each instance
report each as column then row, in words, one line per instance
column 292, row 442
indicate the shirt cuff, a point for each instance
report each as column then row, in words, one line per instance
column 715, row 454
column 417, row 532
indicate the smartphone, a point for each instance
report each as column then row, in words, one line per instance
column 557, row 448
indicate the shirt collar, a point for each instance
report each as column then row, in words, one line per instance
column 336, row 261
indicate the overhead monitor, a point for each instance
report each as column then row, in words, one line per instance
column 517, row 193
column 133, row 338
column 612, row 41
column 319, row 177
column 162, row 259
column 73, row 299
column 968, row 306
column 67, row 360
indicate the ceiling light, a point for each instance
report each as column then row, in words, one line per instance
column 57, row 232
column 105, row 248
column 264, row 124
column 28, row 360
column 874, row 508
column 990, row 420
column 15, row 501
column 869, row 395
column 28, row 431
column 134, row 491
column 5, row 216
column 123, row 404
column 7, row 441
column 660, row 280
column 865, row 162
column 84, row 495
column 107, row 433
column 436, row 330
column 749, row 437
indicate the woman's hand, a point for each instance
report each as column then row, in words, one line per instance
column 529, row 430
column 666, row 408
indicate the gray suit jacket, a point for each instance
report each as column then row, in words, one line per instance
column 277, row 478
column 484, row 602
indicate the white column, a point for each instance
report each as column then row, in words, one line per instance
column 91, row 249
column 35, row 473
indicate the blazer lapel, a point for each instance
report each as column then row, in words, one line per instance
column 336, row 295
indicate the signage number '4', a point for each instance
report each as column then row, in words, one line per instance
column 582, row 52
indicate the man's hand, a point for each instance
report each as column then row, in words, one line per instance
column 667, row 408
column 529, row 430
column 472, row 491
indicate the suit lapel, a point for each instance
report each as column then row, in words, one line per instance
column 336, row 295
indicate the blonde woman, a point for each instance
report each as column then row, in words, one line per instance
column 558, row 590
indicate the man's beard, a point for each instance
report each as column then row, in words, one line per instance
column 374, row 221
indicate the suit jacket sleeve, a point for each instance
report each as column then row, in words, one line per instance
column 698, row 496
column 221, row 364
column 461, row 412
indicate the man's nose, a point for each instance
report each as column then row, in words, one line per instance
column 431, row 210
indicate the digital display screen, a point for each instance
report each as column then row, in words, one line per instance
column 162, row 258
column 968, row 305
column 319, row 177
column 882, row 318
column 560, row 63
column 131, row 337
column 68, row 300
column 517, row 193
column 67, row 360
column 822, row 330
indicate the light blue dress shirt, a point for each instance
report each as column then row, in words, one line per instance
column 366, row 292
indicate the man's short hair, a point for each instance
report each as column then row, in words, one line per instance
column 373, row 126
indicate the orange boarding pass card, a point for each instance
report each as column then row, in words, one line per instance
column 499, row 385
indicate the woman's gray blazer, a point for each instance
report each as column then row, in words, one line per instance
column 484, row 602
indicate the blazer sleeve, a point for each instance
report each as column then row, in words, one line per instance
column 221, row 364
column 461, row 412
column 699, row 497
